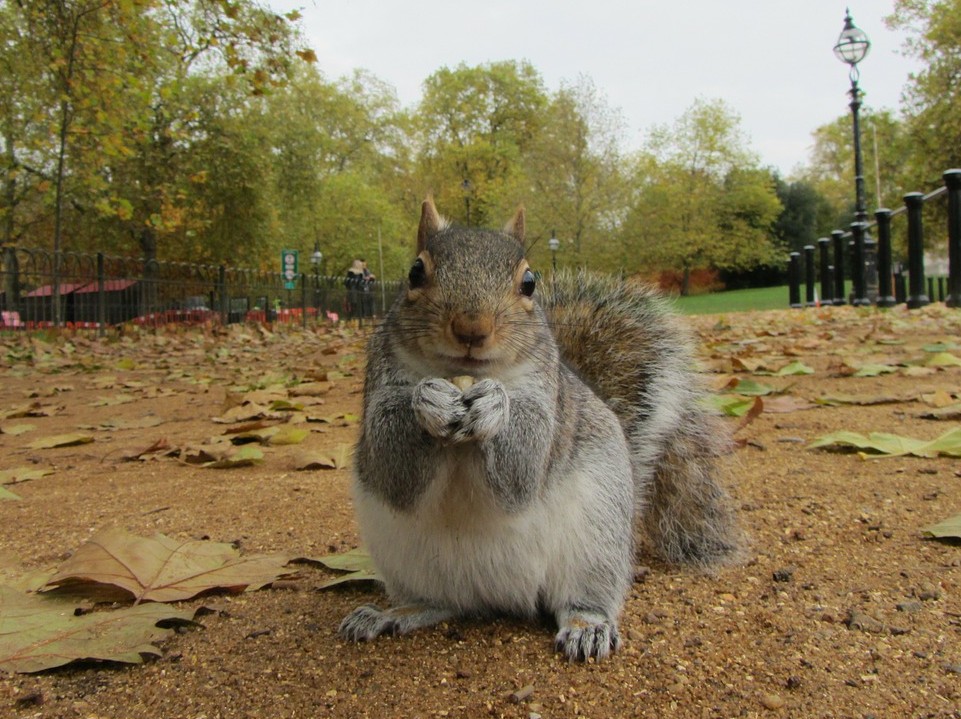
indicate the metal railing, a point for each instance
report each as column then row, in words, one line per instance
column 866, row 257
column 94, row 291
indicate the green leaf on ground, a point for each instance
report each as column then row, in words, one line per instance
column 875, row 370
column 749, row 387
column 162, row 569
column 7, row 494
column 357, row 564
column 794, row 368
column 893, row 445
column 941, row 347
column 948, row 529
column 38, row 632
column 291, row 435
column 732, row 405
column 942, row 359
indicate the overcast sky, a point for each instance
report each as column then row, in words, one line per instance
column 770, row 60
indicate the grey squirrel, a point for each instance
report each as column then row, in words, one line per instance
column 514, row 438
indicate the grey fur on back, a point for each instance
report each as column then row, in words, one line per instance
column 623, row 339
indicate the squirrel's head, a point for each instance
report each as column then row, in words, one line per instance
column 469, row 305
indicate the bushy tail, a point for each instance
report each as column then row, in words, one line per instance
column 624, row 340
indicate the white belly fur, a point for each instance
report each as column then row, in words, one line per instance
column 457, row 549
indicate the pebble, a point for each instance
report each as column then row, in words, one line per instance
column 784, row 574
column 909, row 607
column 521, row 694
column 772, row 701
column 864, row 622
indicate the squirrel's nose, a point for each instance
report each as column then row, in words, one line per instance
column 472, row 329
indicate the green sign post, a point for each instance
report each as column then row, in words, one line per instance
column 288, row 267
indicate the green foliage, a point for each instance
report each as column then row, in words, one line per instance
column 702, row 199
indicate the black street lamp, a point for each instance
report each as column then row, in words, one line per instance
column 316, row 258
column 851, row 48
column 554, row 244
column 466, row 187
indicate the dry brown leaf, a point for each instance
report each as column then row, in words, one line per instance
column 163, row 569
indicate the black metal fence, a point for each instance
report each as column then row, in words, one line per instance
column 79, row 290
column 874, row 278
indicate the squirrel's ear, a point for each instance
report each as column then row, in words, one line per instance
column 515, row 228
column 430, row 223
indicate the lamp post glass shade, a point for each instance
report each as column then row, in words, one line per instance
column 317, row 255
column 853, row 44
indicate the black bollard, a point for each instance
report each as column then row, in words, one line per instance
column 824, row 261
column 914, row 201
column 809, row 276
column 837, row 239
column 857, row 264
column 794, row 279
column 952, row 180
column 885, row 294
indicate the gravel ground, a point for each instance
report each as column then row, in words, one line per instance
column 842, row 610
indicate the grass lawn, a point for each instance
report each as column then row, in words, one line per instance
column 760, row 298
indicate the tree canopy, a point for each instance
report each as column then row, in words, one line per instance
column 203, row 130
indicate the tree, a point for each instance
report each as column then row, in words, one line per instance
column 574, row 167
column 806, row 217
column 472, row 127
column 701, row 199
column 933, row 96
column 885, row 151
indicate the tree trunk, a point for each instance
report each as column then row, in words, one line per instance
column 686, row 282
column 10, row 188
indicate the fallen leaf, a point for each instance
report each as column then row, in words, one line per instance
column 34, row 409
column 7, row 494
column 292, row 435
column 875, row 370
column 244, row 456
column 113, row 401
column 942, row 413
column 159, row 445
column 794, row 368
column 38, row 633
column 942, row 359
column 15, row 430
column 749, row 387
column 842, row 399
column 357, row 564
column 948, row 529
column 61, row 440
column 162, row 569
column 786, row 404
column 732, row 405
column 893, row 445
column 23, row 474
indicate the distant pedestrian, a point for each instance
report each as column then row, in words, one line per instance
column 354, row 282
column 367, row 287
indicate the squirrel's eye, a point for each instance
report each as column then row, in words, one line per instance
column 527, row 283
column 418, row 274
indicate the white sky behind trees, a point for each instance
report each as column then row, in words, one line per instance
column 771, row 61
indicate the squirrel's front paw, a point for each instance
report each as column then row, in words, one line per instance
column 488, row 409
column 439, row 407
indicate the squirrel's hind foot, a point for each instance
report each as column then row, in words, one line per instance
column 367, row 622
column 584, row 635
